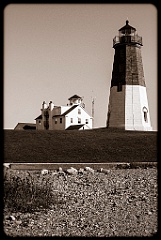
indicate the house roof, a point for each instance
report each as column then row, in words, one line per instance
column 74, row 96
column 30, row 127
column 39, row 117
column 65, row 113
column 25, row 126
column 75, row 127
column 70, row 109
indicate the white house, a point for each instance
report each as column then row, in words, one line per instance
column 72, row 116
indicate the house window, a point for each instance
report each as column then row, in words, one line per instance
column 87, row 121
column 79, row 120
column 56, row 120
column 71, row 120
column 60, row 120
column 119, row 87
column 79, row 111
column 39, row 122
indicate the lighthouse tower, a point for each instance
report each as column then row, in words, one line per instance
column 128, row 104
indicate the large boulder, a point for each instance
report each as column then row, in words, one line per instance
column 104, row 170
column 44, row 171
column 72, row 171
column 7, row 165
column 81, row 170
column 89, row 169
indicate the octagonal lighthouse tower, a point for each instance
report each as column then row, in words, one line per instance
column 128, row 103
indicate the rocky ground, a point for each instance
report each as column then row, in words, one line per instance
column 121, row 202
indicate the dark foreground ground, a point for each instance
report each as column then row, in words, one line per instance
column 97, row 145
column 121, row 202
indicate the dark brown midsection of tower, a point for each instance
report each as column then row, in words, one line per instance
column 127, row 66
column 134, row 66
column 119, row 66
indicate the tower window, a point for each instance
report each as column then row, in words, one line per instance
column 119, row 87
column 145, row 112
column 71, row 120
column 60, row 120
column 145, row 117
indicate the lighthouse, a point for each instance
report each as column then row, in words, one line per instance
column 128, row 103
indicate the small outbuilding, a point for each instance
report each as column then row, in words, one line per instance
column 25, row 126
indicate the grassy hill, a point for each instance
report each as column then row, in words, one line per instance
column 97, row 145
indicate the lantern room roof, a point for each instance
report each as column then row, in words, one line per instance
column 74, row 96
column 127, row 26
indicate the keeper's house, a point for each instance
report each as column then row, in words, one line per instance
column 70, row 117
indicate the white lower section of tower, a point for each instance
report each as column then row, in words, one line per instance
column 128, row 109
column 137, row 115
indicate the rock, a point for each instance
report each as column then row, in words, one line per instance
column 105, row 170
column 60, row 169
column 72, row 170
column 61, row 172
column 54, row 173
column 44, row 171
column 7, row 165
column 89, row 169
column 12, row 218
column 149, row 213
column 81, row 170
column 18, row 222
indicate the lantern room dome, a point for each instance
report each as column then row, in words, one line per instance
column 127, row 27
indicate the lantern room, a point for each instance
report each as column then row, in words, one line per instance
column 127, row 35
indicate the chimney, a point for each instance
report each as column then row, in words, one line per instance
column 51, row 105
column 44, row 105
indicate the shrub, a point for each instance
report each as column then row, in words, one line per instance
column 26, row 192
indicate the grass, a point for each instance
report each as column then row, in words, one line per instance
column 97, row 145
column 26, row 191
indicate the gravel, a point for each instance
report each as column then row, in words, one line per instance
column 121, row 202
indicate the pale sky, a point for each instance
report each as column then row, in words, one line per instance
column 53, row 51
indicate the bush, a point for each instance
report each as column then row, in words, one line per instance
column 26, row 192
